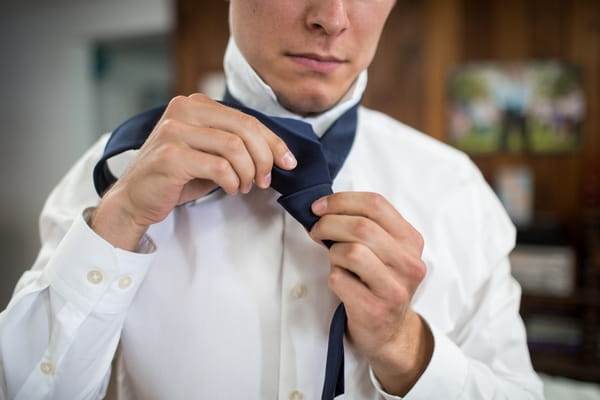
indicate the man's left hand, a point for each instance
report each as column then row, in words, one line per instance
column 376, row 267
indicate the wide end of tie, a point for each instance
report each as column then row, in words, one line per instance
column 298, row 204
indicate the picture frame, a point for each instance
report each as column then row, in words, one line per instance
column 523, row 106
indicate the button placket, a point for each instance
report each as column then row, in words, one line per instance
column 301, row 260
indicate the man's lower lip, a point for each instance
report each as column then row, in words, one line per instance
column 316, row 65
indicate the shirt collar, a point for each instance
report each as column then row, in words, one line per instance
column 246, row 86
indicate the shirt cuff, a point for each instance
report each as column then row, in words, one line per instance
column 89, row 272
column 444, row 377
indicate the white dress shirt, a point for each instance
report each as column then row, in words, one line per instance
column 227, row 298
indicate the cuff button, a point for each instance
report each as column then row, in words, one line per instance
column 95, row 277
column 125, row 282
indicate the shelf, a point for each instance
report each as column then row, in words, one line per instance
column 583, row 297
column 571, row 366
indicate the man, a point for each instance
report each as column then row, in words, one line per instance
column 219, row 294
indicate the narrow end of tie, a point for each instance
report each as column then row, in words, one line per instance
column 334, row 369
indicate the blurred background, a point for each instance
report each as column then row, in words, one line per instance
column 71, row 70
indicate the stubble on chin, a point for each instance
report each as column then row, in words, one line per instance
column 307, row 105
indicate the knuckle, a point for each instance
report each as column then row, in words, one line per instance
column 234, row 144
column 199, row 97
column 334, row 277
column 418, row 269
column 166, row 153
column 220, row 167
column 248, row 122
column 177, row 103
column 355, row 253
column 398, row 296
column 363, row 229
column 374, row 200
column 169, row 126
column 419, row 240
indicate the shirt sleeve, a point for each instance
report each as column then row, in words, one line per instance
column 61, row 328
column 480, row 348
column 494, row 363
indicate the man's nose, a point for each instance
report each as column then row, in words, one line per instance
column 328, row 16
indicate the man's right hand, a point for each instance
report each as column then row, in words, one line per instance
column 197, row 144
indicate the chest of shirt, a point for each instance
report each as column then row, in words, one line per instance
column 240, row 289
column 237, row 278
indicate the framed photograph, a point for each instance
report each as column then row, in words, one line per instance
column 534, row 107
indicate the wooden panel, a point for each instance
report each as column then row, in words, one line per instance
column 442, row 52
column 200, row 39
column 584, row 49
column 510, row 30
column 477, row 30
column 397, row 74
column 583, row 44
column 547, row 21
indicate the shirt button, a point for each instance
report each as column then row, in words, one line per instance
column 296, row 395
column 47, row 368
column 125, row 282
column 94, row 276
column 299, row 291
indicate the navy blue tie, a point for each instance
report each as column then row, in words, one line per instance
column 319, row 161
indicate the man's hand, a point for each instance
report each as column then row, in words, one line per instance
column 376, row 268
column 197, row 144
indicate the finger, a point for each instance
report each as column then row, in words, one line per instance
column 216, row 142
column 350, row 290
column 265, row 147
column 358, row 229
column 365, row 265
column 371, row 206
column 199, row 165
column 279, row 155
column 402, row 258
column 381, row 278
column 362, row 305
column 232, row 148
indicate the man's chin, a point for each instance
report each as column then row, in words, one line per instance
column 307, row 104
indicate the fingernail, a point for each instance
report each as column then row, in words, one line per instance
column 289, row 160
column 248, row 188
column 267, row 180
column 320, row 206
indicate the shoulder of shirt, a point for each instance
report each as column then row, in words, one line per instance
column 73, row 193
column 430, row 156
column 437, row 187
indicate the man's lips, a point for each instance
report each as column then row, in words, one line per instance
column 316, row 62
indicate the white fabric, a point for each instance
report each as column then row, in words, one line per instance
column 228, row 298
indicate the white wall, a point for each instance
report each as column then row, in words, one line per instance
column 47, row 103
